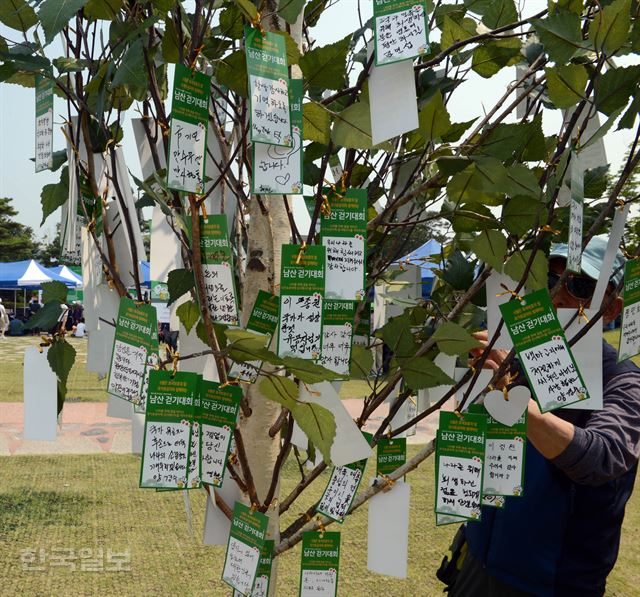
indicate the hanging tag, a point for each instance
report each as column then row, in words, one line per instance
column 630, row 328
column 44, row 123
column 504, row 456
column 263, row 320
column 217, row 417
column 574, row 243
column 319, row 564
column 302, row 283
column 460, row 453
column 246, row 540
column 343, row 232
column 188, row 136
column 268, row 87
column 277, row 170
column 543, row 351
column 167, row 430
column 217, row 270
column 401, row 30
column 263, row 576
column 337, row 335
column 135, row 352
column 40, row 396
column 390, row 455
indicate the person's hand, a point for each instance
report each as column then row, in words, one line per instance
column 494, row 359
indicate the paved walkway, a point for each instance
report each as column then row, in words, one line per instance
column 85, row 428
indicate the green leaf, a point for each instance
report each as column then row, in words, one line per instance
column 361, row 362
column 293, row 51
column 17, row 14
column 132, row 72
column 54, row 292
column 289, row 10
column 55, row 14
column 397, row 335
column 307, row 371
column 475, row 217
column 537, row 278
column 629, row 118
column 491, row 247
column 422, row 372
column 61, row 357
column 318, row 424
column 500, row 13
column 453, row 31
column 491, row 57
column 453, row 339
column 280, row 389
column 102, row 9
column 179, row 282
column 596, row 181
column 614, row 88
column 188, row 314
column 248, row 9
column 352, row 128
column 522, row 181
column 54, row 195
column 434, row 119
column 560, row 35
column 522, row 214
column 325, row 67
column 316, row 123
column 609, row 30
column 458, row 272
column 523, row 141
column 232, row 72
column 566, row 84
column 170, row 43
column 45, row 318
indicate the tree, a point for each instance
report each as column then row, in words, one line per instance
column 16, row 240
column 494, row 180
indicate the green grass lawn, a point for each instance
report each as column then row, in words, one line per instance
column 93, row 502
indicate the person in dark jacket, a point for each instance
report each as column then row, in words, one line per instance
column 561, row 537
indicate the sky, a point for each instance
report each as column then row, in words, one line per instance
column 17, row 109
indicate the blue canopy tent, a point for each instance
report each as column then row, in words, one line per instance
column 68, row 274
column 27, row 275
column 420, row 257
column 146, row 274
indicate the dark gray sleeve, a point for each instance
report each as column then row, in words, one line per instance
column 609, row 445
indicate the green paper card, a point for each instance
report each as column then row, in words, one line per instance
column 217, row 270
column 301, row 292
column 343, row 233
column 44, row 123
column 342, row 488
column 263, row 576
column 460, row 449
column 543, row 351
column 216, row 417
column 167, row 429
column 504, row 455
column 390, row 454
column 320, row 564
column 268, row 87
column 401, row 30
column 263, row 320
column 630, row 328
column 337, row 335
column 246, row 540
column 135, row 351
column 188, row 135
column 278, row 170
column 574, row 242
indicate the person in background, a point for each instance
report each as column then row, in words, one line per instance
column 80, row 329
column 561, row 537
column 4, row 320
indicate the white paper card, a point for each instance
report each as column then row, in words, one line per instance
column 401, row 35
column 40, row 397
column 430, row 396
column 216, row 524
column 240, row 565
column 318, row 583
column 270, row 120
column 496, row 284
column 388, row 531
column 345, row 267
column 392, row 100
column 215, row 443
column 137, row 432
column 479, row 386
column 300, row 330
column 349, row 445
column 165, row 457
column 186, row 160
column 458, row 486
column 336, row 347
column 503, row 460
column 339, row 493
column 218, row 285
column 193, row 467
column 277, row 168
column 118, row 408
